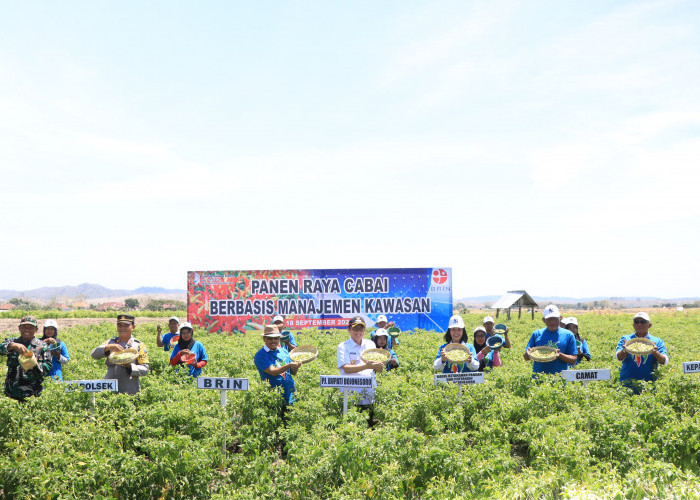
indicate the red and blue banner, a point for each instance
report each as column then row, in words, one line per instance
column 237, row 301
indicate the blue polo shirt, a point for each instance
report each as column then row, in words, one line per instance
column 265, row 359
column 166, row 340
column 640, row 367
column 560, row 338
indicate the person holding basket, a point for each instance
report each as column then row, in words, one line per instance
column 456, row 334
column 189, row 352
column 275, row 365
column 641, row 366
column 127, row 373
column 350, row 362
column 28, row 361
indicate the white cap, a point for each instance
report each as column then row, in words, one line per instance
column 488, row 319
column 174, row 318
column 381, row 318
column 51, row 322
column 479, row 329
column 185, row 325
column 571, row 321
column 456, row 321
column 642, row 315
column 551, row 311
column 277, row 318
column 381, row 332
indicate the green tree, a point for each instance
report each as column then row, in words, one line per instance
column 21, row 303
column 131, row 303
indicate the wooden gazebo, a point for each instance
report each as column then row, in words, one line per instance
column 514, row 298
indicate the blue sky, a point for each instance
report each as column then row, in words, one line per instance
column 542, row 145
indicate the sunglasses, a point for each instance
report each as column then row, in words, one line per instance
column 640, row 321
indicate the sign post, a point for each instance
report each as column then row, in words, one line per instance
column 93, row 386
column 223, row 385
column 461, row 378
column 691, row 367
column 586, row 376
column 345, row 382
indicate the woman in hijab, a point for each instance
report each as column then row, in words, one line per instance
column 488, row 358
column 189, row 351
column 58, row 349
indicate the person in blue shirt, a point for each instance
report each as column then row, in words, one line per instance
column 635, row 367
column 58, row 349
column 164, row 341
column 553, row 336
column 584, row 351
column 382, row 341
column 456, row 334
column 187, row 346
column 274, row 364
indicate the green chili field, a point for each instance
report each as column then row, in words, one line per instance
column 507, row 438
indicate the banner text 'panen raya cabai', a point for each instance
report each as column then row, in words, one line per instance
column 236, row 301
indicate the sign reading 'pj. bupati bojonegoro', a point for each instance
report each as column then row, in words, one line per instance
column 236, row 301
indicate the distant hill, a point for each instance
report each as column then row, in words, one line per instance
column 624, row 302
column 84, row 290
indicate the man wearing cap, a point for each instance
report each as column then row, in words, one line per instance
column 287, row 340
column 350, row 362
column 21, row 383
column 164, row 341
column 275, row 365
column 553, row 336
column 637, row 367
column 489, row 324
column 128, row 376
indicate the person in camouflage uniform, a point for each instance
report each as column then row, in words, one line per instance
column 20, row 383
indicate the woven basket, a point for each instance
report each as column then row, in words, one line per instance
column 303, row 351
column 120, row 358
column 543, row 354
column 639, row 346
column 174, row 340
column 386, row 355
column 454, row 353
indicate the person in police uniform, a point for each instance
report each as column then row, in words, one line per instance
column 128, row 376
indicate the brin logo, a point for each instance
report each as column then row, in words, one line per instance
column 197, row 279
column 439, row 276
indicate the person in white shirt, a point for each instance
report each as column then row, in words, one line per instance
column 350, row 359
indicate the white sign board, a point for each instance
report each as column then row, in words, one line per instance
column 691, row 367
column 461, row 378
column 345, row 382
column 586, row 375
column 100, row 385
column 222, row 384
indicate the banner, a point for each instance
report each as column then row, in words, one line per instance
column 238, row 301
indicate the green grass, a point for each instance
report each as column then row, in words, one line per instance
column 507, row 438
